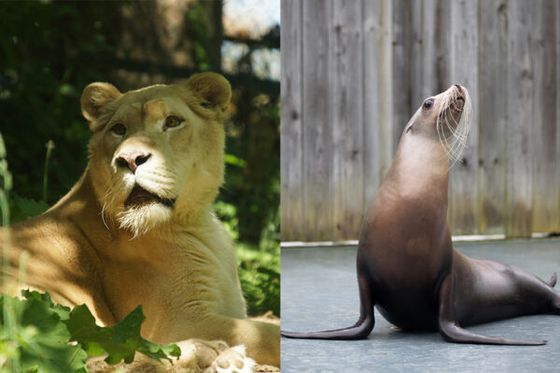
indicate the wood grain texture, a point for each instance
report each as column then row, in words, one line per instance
column 521, row 108
column 291, row 130
column 377, row 141
column 346, row 102
column 545, row 152
column 556, row 227
column 402, row 56
column 492, row 108
column 355, row 71
column 318, row 219
column 463, row 70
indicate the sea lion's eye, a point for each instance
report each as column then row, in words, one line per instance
column 428, row 103
column 172, row 121
column 118, row 129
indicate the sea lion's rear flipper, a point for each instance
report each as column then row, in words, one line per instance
column 552, row 281
column 360, row 330
column 451, row 331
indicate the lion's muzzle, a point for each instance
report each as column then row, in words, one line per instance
column 140, row 196
column 131, row 160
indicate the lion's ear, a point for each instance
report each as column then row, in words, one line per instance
column 212, row 88
column 95, row 97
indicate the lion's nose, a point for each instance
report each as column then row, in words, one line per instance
column 132, row 160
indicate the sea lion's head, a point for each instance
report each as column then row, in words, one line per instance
column 445, row 118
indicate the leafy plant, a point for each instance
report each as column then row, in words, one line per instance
column 41, row 331
column 259, row 265
column 259, row 274
column 22, row 208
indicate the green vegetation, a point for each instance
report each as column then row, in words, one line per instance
column 51, row 50
column 35, row 337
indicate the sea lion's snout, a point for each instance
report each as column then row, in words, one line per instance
column 459, row 103
column 458, row 95
column 453, row 120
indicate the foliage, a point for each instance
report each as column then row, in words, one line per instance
column 36, row 335
column 259, row 265
column 119, row 342
column 49, row 51
column 22, row 208
column 45, row 66
column 259, row 273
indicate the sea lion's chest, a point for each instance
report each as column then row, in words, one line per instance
column 407, row 251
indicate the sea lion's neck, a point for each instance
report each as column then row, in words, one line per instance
column 420, row 168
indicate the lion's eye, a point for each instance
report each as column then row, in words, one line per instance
column 428, row 103
column 118, row 129
column 172, row 121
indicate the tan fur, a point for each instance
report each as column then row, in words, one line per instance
column 177, row 262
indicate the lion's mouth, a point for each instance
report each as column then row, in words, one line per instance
column 140, row 196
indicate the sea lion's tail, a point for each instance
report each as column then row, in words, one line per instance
column 362, row 328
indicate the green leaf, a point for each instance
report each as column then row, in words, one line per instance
column 62, row 311
column 37, row 338
column 119, row 342
column 35, row 335
column 25, row 208
column 232, row 160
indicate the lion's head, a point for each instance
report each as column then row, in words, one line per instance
column 156, row 154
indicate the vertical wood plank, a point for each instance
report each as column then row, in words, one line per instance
column 416, row 56
column 428, row 54
column 493, row 116
column 464, row 71
column 556, row 227
column 291, row 141
column 443, row 43
column 520, row 115
column 317, row 221
column 378, row 93
column 402, row 61
column 346, row 102
column 545, row 202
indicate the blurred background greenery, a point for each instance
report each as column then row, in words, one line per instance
column 49, row 51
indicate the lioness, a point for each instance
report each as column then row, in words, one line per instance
column 138, row 227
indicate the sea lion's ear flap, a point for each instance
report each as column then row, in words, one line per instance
column 213, row 90
column 95, row 97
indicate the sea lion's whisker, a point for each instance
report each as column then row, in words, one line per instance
column 452, row 133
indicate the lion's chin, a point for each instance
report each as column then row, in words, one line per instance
column 139, row 220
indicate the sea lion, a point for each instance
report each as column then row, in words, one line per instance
column 406, row 264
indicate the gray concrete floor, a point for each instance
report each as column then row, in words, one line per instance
column 319, row 291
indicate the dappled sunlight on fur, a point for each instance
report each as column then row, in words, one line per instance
column 138, row 227
column 197, row 356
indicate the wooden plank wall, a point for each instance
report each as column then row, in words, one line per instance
column 354, row 71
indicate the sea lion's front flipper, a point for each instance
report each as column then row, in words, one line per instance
column 360, row 330
column 451, row 331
